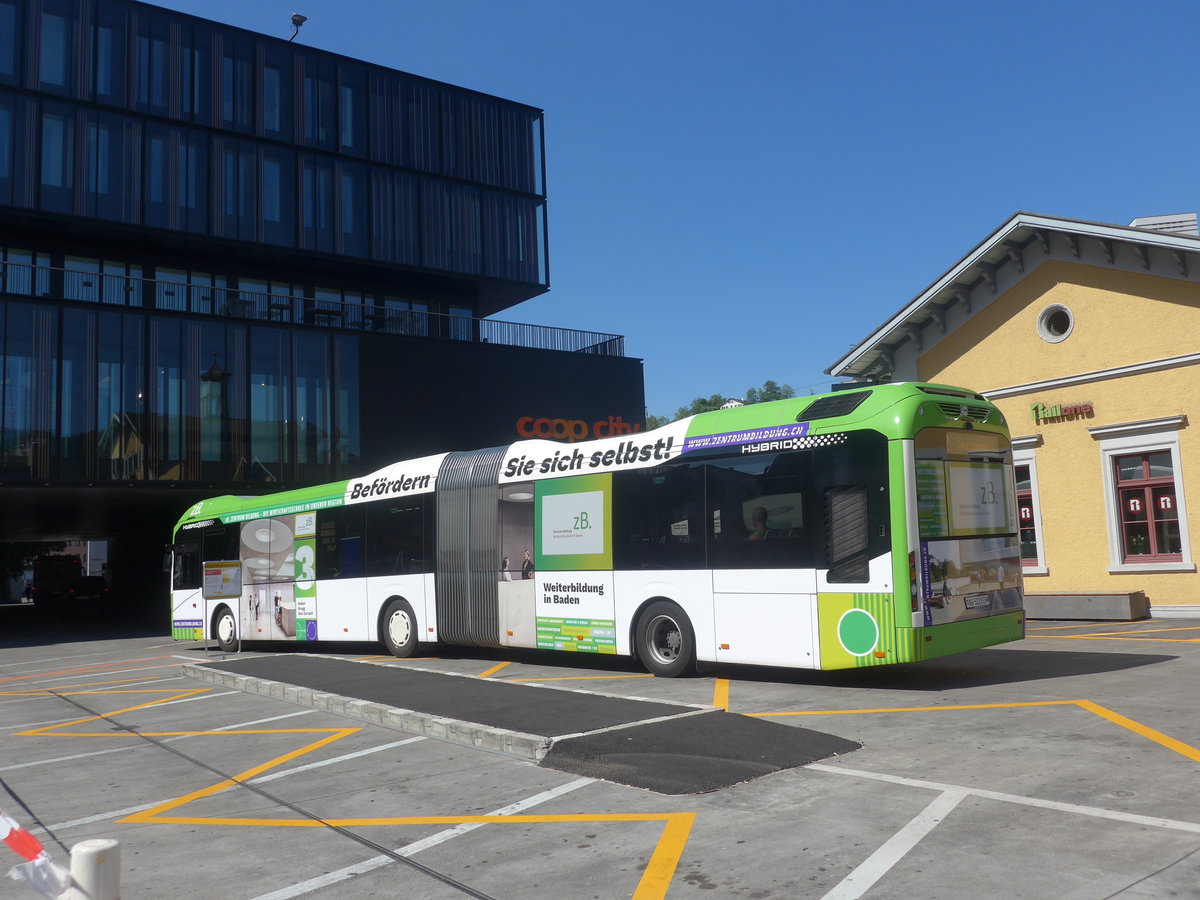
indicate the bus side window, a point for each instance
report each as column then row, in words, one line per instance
column 186, row 574
column 658, row 518
column 398, row 532
column 847, row 535
column 340, row 542
column 757, row 514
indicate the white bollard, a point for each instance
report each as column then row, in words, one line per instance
column 96, row 869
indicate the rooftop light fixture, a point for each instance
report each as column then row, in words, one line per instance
column 297, row 21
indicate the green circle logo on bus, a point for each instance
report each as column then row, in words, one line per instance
column 858, row 632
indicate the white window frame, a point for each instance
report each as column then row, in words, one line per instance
column 1151, row 435
column 1024, row 455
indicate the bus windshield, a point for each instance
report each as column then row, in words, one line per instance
column 970, row 560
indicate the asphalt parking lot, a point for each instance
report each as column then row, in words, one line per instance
column 1061, row 766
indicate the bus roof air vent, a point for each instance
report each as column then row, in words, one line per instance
column 832, row 407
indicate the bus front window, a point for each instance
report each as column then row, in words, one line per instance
column 969, row 563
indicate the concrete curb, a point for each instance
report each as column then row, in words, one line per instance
column 470, row 734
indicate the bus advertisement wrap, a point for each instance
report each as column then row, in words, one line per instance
column 571, row 520
column 769, row 534
column 550, row 460
column 575, row 612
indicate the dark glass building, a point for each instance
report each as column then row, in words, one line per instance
column 230, row 263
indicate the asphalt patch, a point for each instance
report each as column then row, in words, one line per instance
column 664, row 747
column 525, row 708
column 693, row 754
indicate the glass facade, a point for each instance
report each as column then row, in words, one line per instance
column 145, row 117
column 106, row 395
column 115, row 371
column 232, row 262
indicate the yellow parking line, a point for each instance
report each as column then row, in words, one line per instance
column 67, row 687
column 721, row 694
column 653, row 884
column 1143, row 630
column 1094, row 625
column 49, row 730
column 852, row 712
column 495, row 668
column 1137, row 728
column 578, row 677
column 1112, row 637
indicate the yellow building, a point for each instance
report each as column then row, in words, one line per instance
column 1086, row 336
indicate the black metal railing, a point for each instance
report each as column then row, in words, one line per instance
column 217, row 299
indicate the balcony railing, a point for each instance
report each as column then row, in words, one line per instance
column 234, row 303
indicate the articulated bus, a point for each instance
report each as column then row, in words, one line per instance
column 868, row 526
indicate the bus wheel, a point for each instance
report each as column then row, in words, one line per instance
column 399, row 628
column 666, row 644
column 225, row 628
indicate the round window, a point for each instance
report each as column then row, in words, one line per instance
column 1055, row 323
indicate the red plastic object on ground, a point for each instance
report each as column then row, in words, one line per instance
column 19, row 840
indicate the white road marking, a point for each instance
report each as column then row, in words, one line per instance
column 130, row 810
column 23, row 699
column 50, row 659
column 893, row 850
column 879, row 863
column 370, row 865
column 24, row 726
column 58, row 759
column 291, row 715
column 336, row 759
column 1093, row 811
column 29, row 725
column 120, row 687
column 625, row 725
column 37, row 680
column 191, row 699
column 128, row 685
column 100, row 817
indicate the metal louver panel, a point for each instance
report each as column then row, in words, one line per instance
column 964, row 411
column 847, row 539
column 468, row 538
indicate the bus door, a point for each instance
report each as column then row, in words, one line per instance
column 188, row 614
column 760, row 547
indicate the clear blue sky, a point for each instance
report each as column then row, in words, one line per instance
column 745, row 190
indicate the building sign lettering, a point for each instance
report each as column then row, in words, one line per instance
column 572, row 430
column 1061, row 413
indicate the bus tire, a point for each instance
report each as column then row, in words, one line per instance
column 225, row 629
column 665, row 641
column 398, row 628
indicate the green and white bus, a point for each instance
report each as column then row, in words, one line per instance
column 868, row 526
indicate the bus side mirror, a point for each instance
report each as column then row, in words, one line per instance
column 167, row 551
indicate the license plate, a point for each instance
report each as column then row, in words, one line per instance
column 975, row 601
